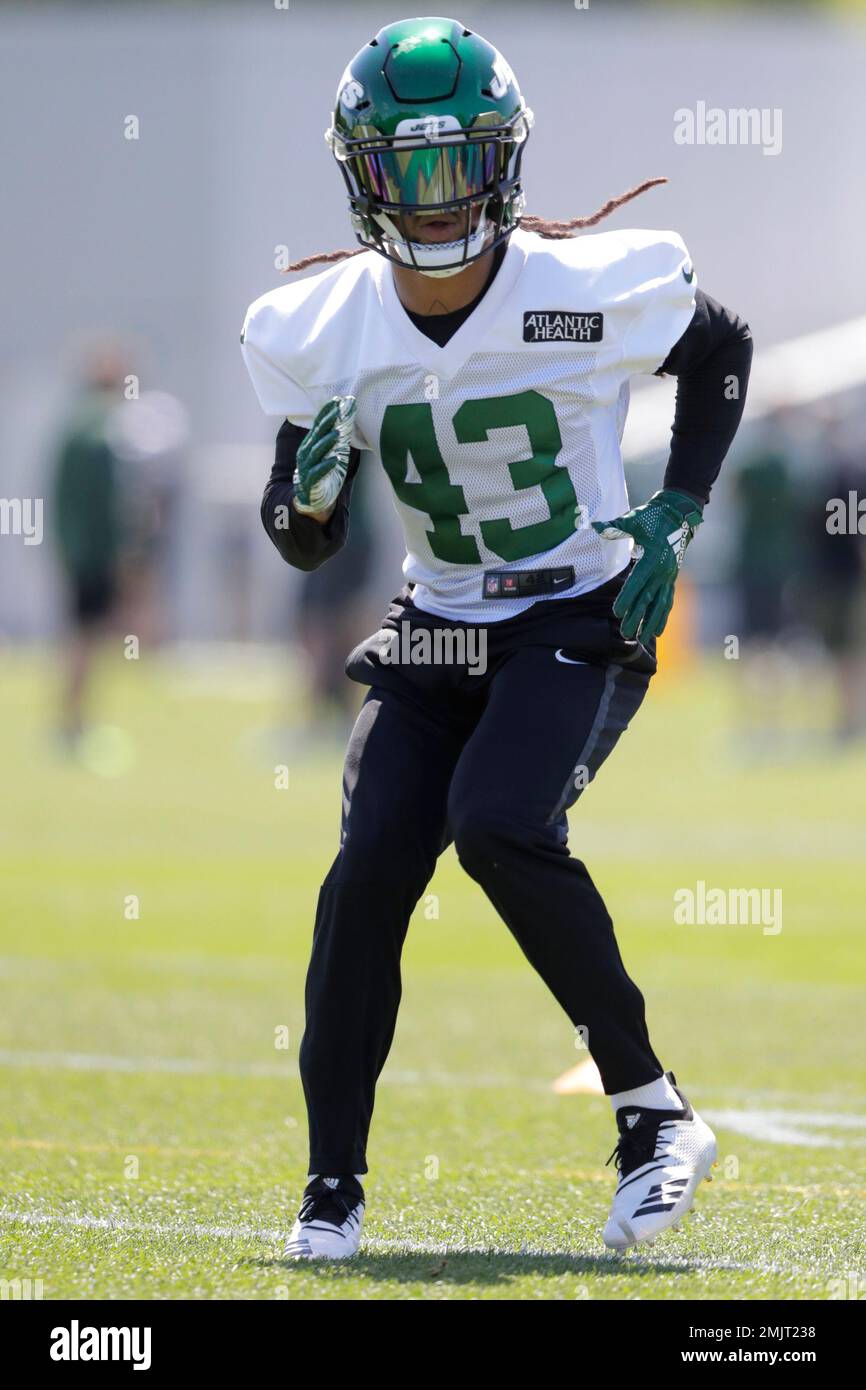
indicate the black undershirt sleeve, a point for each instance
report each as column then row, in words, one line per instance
column 303, row 542
column 710, row 361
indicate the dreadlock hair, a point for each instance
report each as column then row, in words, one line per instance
column 544, row 227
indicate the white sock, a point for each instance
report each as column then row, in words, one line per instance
column 656, row 1095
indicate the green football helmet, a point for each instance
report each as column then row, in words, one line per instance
column 429, row 118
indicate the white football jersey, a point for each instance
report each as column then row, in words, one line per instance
column 503, row 445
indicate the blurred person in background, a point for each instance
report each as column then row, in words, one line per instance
column 87, row 514
column 115, row 489
column 149, row 437
column 836, row 577
column 766, row 541
column 766, row 551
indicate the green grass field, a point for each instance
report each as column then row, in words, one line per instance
column 152, row 1134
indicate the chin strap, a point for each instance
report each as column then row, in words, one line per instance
column 426, row 257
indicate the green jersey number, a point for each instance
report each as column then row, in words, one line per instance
column 407, row 432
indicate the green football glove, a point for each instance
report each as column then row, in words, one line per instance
column 663, row 528
column 323, row 457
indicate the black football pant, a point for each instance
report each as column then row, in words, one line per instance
column 490, row 761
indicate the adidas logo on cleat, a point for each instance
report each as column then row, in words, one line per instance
column 662, row 1196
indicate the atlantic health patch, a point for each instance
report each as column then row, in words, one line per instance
column 561, row 326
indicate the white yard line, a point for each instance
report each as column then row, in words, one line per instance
column 176, row 1230
column 200, row 1066
column 792, row 1126
column 761, row 1118
column 202, row 1231
column 109, row 1061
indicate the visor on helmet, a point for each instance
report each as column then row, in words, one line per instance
column 430, row 177
column 430, row 162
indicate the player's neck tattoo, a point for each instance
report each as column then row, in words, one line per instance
column 420, row 295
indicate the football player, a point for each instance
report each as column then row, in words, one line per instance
column 483, row 359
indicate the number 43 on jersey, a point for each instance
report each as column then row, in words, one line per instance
column 408, row 432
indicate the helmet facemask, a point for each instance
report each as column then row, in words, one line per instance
column 433, row 165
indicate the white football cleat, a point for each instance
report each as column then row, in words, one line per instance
column 661, row 1155
column 329, row 1221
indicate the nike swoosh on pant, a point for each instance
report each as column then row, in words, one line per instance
column 568, row 660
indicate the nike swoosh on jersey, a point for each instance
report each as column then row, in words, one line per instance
column 568, row 660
